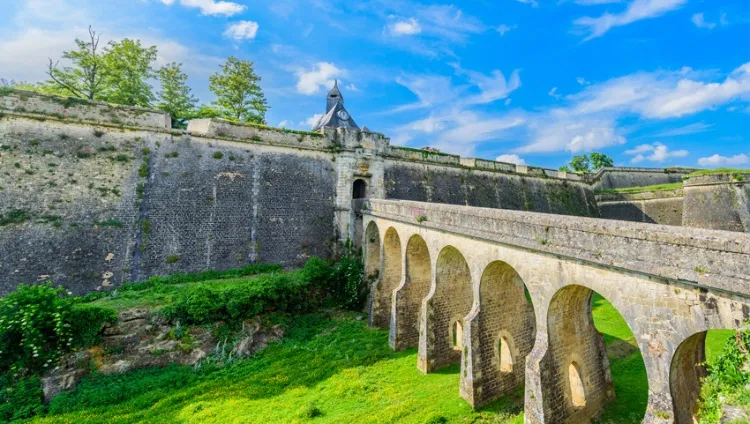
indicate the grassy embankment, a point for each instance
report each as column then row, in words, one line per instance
column 330, row 368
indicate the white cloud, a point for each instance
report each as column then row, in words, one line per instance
column 507, row 101
column 723, row 19
column 700, row 22
column 718, row 160
column 284, row 124
column 515, row 159
column 405, row 27
column 211, row 7
column 635, row 11
column 533, row 3
column 492, row 87
column 242, row 30
column 695, row 128
column 352, row 87
column 553, row 93
column 558, row 130
column 503, row 29
column 428, row 125
column 321, row 76
column 660, row 95
column 581, row 81
column 311, row 121
column 656, row 152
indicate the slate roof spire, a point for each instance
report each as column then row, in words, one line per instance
column 334, row 96
column 336, row 114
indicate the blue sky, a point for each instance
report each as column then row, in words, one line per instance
column 649, row 82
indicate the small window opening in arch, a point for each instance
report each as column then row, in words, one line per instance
column 506, row 358
column 457, row 334
column 577, row 394
column 359, row 189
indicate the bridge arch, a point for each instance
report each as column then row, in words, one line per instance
column 450, row 299
column 372, row 252
column 389, row 279
column 577, row 363
column 686, row 371
column 504, row 325
column 410, row 294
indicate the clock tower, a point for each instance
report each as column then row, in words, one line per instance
column 336, row 114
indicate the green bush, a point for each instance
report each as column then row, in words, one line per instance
column 347, row 282
column 86, row 322
column 726, row 379
column 207, row 303
column 21, row 399
column 33, row 330
column 40, row 323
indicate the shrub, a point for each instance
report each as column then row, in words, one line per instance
column 218, row 155
column 726, row 378
column 33, row 333
column 21, row 399
column 86, row 323
column 347, row 282
column 40, row 323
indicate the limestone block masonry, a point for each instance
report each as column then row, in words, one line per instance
column 718, row 201
column 92, row 195
column 528, row 280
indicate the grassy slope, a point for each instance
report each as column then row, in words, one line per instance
column 335, row 367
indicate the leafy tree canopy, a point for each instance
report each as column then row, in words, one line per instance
column 587, row 163
column 175, row 96
column 238, row 95
column 129, row 66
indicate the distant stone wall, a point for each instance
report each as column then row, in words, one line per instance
column 654, row 207
column 90, row 207
column 473, row 187
column 612, row 178
column 718, row 202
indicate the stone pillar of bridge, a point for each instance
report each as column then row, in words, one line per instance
column 389, row 279
column 443, row 311
column 408, row 297
column 499, row 333
column 568, row 380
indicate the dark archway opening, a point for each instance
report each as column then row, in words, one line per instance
column 359, row 189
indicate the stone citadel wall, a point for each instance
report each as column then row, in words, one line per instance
column 93, row 195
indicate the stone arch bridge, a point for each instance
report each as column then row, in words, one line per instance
column 508, row 295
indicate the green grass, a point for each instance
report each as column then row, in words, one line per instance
column 719, row 171
column 333, row 367
column 632, row 190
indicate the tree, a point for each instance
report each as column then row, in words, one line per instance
column 238, row 95
column 600, row 160
column 84, row 78
column 206, row 111
column 129, row 65
column 175, row 97
column 586, row 163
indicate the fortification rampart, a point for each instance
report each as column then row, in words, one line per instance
column 92, row 195
column 650, row 206
column 69, row 108
column 614, row 178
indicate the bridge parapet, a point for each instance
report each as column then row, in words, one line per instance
column 712, row 259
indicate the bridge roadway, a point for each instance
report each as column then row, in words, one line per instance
column 508, row 295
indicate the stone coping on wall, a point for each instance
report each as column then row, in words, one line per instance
column 645, row 195
column 705, row 258
column 22, row 101
column 730, row 177
column 438, row 158
column 596, row 176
